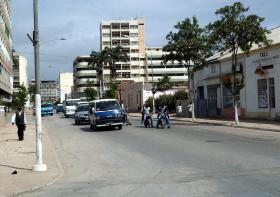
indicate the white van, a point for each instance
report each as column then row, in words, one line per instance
column 70, row 107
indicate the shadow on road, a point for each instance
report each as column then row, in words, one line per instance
column 87, row 129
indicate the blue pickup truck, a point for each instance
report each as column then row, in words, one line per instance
column 47, row 109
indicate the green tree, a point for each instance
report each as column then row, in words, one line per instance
column 111, row 56
column 89, row 91
column 32, row 92
column 234, row 31
column 20, row 97
column 164, row 83
column 111, row 93
column 97, row 63
column 188, row 45
column 181, row 95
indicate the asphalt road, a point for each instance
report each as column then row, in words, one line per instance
column 186, row 160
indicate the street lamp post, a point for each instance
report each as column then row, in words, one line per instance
column 39, row 166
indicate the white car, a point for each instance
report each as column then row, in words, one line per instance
column 70, row 107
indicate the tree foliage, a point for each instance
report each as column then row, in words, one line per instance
column 113, row 55
column 164, row 83
column 189, row 44
column 32, row 92
column 90, row 93
column 111, row 93
column 20, row 97
column 181, row 95
column 235, row 31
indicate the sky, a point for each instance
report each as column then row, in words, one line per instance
column 78, row 22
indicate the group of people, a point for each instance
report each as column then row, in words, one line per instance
column 162, row 116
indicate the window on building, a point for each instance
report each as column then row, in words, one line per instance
column 124, row 34
column 262, row 93
column 106, row 35
column 266, row 93
column 105, row 26
column 116, row 25
column 125, row 42
column 227, row 98
column 134, row 35
column 213, row 69
column 116, row 34
column 125, row 25
column 106, row 43
column 134, row 51
column 271, row 91
column 116, row 42
column 133, row 26
column 134, row 42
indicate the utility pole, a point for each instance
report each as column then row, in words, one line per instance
column 39, row 166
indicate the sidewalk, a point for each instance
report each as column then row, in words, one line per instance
column 20, row 156
column 248, row 124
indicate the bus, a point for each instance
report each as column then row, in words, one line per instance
column 70, row 107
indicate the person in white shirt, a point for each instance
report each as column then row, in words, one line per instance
column 19, row 119
column 179, row 110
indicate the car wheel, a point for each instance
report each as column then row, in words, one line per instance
column 78, row 122
column 75, row 122
column 120, row 127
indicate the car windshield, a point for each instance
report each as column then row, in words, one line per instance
column 107, row 105
column 46, row 105
column 82, row 108
column 71, row 103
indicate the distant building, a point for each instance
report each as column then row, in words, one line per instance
column 65, row 84
column 135, row 94
column 6, row 57
column 19, row 71
column 84, row 76
column 130, row 35
column 260, row 96
column 156, row 69
column 49, row 91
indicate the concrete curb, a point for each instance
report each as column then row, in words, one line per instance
column 219, row 124
column 54, row 179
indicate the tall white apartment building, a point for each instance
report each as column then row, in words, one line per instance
column 65, row 84
column 6, row 57
column 129, row 34
column 156, row 69
column 19, row 71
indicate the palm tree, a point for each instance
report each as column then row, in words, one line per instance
column 111, row 56
column 97, row 61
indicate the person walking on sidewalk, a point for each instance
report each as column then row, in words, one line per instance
column 19, row 119
column 180, row 110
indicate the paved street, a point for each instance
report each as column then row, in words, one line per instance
column 187, row 160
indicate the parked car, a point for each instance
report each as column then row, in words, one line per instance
column 105, row 113
column 47, row 109
column 81, row 114
column 59, row 108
